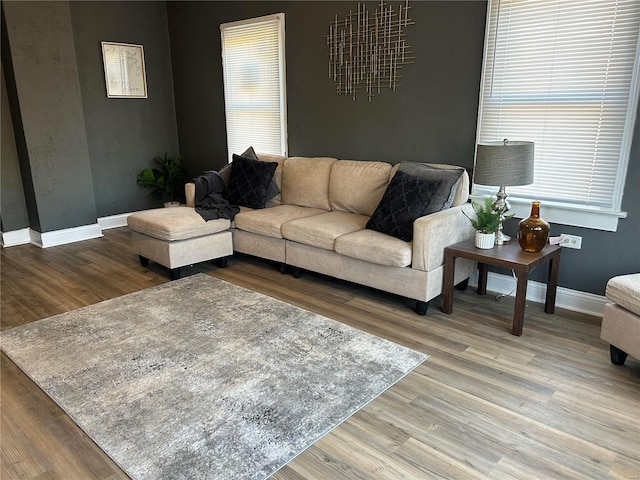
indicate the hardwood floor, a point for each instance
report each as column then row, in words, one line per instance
column 486, row 404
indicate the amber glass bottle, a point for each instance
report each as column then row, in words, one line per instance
column 533, row 232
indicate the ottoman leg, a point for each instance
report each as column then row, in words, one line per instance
column 144, row 261
column 175, row 273
column 617, row 356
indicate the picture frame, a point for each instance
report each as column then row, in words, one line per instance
column 124, row 70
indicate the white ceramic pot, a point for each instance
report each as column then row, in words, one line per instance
column 485, row 240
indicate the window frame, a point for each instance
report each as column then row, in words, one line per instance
column 555, row 211
column 280, row 19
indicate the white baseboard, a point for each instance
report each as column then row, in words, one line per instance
column 573, row 300
column 16, row 237
column 113, row 221
column 67, row 235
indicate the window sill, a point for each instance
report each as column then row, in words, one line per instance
column 596, row 219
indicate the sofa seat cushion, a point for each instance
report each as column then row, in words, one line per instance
column 305, row 181
column 174, row 223
column 242, row 209
column 375, row 247
column 269, row 221
column 357, row 186
column 322, row 230
column 625, row 291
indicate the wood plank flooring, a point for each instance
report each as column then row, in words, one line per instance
column 547, row 405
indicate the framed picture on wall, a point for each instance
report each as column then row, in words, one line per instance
column 124, row 70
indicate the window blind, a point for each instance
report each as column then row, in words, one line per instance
column 254, row 84
column 563, row 74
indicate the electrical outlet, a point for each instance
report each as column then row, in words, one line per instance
column 571, row 241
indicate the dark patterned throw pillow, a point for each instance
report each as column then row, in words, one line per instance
column 273, row 189
column 250, row 153
column 249, row 182
column 406, row 198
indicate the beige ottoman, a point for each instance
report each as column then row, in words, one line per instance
column 179, row 236
column 621, row 317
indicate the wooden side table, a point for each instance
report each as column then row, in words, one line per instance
column 508, row 256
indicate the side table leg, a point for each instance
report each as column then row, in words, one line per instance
column 552, row 284
column 483, row 272
column 521, row 300
column 449, row 267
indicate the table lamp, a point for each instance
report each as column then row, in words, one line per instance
column 503, row 164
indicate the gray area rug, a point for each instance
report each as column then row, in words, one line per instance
column 200, row 378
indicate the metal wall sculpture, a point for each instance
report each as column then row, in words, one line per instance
column 368, row 50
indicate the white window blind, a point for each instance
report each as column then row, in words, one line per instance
column 563, row 74
column 253, row 62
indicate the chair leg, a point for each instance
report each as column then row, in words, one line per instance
column 175, row 273
column 284, row 268
column 144, row 261
column 296, row 272
column 421, row 307
column 618, row 356
column 463, row 285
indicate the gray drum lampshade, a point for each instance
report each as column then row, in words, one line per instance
column 504, row 163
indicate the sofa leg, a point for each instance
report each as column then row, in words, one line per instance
column 296, row 272
column 144, row 261
column 221, row 262
column 617, row 356
column 175, row 273
column 284, row 268
column 463, row 284
column 421, row 307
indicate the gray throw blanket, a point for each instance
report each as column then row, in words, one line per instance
column 209, row 201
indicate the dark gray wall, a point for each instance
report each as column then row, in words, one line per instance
column 124, row 134
column 79, row 151
column 47, row 90
column 13, row 208
column 431, row 117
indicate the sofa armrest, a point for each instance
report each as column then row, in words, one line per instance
column 432, row 233
column 190, row 194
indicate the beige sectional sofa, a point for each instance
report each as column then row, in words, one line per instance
column 317, row 223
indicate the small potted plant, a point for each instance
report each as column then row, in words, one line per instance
column 166, row 180
column 486, row 223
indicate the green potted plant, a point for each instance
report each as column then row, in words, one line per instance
column 166, row 180
column 486, row 223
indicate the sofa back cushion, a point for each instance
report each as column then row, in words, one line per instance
column 305, row 181
column 357, row 186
